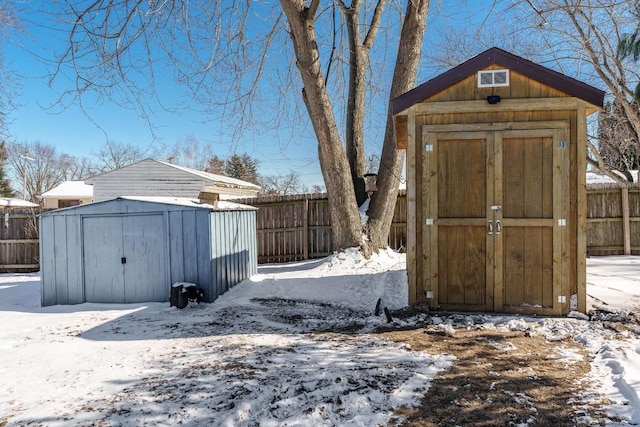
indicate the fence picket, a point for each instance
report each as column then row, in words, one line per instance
column 19, row 244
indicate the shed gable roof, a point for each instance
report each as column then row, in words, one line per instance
column 148, row 204
column 496, row 56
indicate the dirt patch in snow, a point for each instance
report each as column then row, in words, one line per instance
column 500, row 378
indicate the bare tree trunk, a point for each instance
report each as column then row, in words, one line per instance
column 347, row 228
column 358, row 64
column 384, row 200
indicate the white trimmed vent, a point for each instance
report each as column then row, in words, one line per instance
column 493, row 78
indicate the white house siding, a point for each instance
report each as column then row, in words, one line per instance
column 67, row 191
column 146, row 178
column 53, row 203
column 227, row 193
column 152, row 178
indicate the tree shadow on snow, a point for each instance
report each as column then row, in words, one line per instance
column 302, row 380
column 263, row 314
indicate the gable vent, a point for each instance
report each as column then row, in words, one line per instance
column 493, row 78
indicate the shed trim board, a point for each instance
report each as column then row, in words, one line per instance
column 481, row 106
column 511, row 104
column 581, row 242
column 413, row 231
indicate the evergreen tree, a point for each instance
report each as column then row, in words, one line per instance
column 5, row 187
column 243, row 167
column 216, row 165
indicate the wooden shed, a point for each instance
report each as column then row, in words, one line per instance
column 496, row 163
column 130, row 250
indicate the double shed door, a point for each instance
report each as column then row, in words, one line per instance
column 124, row 259
column 496, row 208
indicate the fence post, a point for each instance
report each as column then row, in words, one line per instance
column 305, row 229
column 626, row 227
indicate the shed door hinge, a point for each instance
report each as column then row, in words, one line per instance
column 562, row 222
column 429, row 221
column 428, row 148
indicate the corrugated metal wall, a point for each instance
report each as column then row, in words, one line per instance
column 214, row 249
column 189, row 245
column 233, row 248
column 60, row 260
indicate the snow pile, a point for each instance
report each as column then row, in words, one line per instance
column 345, row 279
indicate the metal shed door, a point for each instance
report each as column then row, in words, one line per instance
column 496, row 208
column 124, row 259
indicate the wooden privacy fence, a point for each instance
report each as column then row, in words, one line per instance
column 293, row 228
column 613, row 219
column 19, row 247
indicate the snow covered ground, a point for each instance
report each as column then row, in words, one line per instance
column 278, row 349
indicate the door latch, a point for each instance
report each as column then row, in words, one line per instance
column 123, row 260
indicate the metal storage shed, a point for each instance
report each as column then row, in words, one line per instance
column 130, row 250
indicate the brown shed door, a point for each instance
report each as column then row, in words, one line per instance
column 496, row 211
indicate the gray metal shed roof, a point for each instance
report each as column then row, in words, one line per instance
column 169, row 201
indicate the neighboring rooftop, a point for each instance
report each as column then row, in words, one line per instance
column 220, row 180
column 70, row 189
column 594, row 177
column 16, row 203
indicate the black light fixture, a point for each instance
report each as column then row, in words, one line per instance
column 493, row 99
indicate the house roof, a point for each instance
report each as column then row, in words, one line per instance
column 75, row 189
column 215, row 179
column 16, row 203
column 496, row 56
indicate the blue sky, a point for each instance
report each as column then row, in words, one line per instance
column 72, row 132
